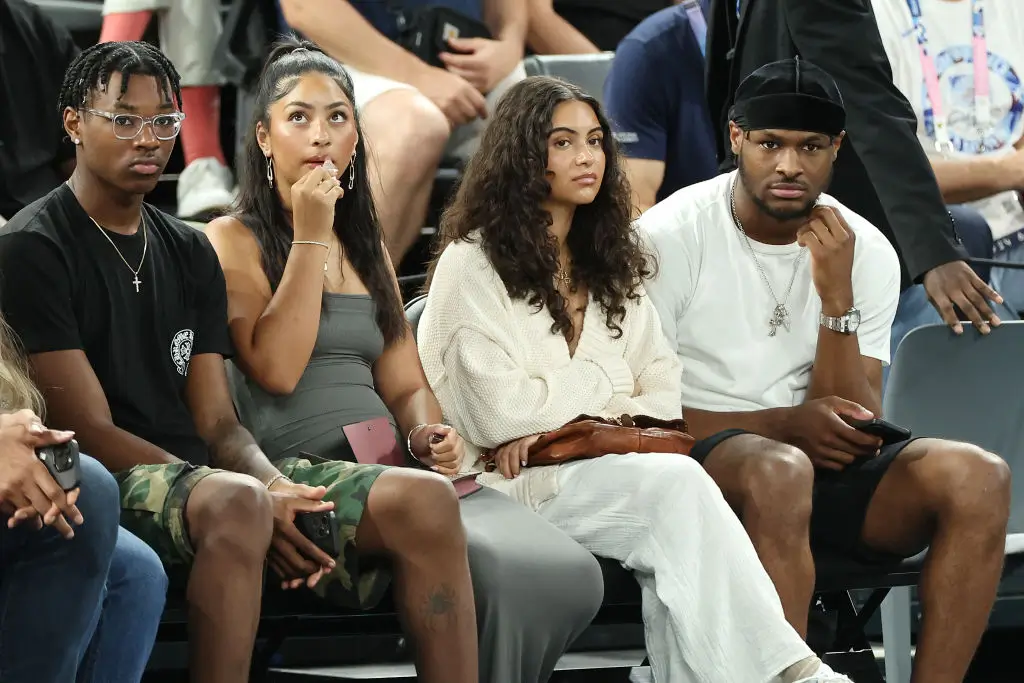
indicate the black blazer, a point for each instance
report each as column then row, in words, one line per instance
column 882, row 172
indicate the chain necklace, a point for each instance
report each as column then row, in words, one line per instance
column 145, row 244
column 780, row 314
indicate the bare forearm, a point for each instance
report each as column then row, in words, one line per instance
column 118, row 449
column 284, row 336
column 416, row 408
column 550, row 34
column 344, row 34
column 839, row 371
column 968, row 180
column 232, row 448
column 507, row 19
column 768, row 423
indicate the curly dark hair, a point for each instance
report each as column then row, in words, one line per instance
column 501, row 195
column 356, row 224
column 91, row 70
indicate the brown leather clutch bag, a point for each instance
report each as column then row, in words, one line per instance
column 591, row 437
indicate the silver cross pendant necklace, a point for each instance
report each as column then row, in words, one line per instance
column 780, row 314
column 145, row 243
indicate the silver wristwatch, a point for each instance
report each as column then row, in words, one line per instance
column 847, row 323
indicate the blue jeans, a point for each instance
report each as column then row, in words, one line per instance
column 94, row 600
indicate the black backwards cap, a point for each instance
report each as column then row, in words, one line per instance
column 791, row 94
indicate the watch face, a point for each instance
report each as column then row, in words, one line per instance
column 853, row 315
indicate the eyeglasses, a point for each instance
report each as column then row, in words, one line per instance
column 128, row 126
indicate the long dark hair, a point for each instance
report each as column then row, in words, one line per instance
column 259, row 207
column 501, row 195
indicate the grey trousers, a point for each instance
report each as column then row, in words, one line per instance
column 535, row 588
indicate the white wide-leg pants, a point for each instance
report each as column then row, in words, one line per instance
column 711, row 613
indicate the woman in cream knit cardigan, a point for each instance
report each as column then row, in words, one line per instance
column 535, row 315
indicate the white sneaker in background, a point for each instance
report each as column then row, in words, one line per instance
column 825, row 674
column 205, row 186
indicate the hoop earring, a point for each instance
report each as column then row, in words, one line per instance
column 352, row 171
column 270, row 172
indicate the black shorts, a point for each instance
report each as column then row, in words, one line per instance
column 840, row 499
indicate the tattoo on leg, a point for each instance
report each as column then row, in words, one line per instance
column 440, row 602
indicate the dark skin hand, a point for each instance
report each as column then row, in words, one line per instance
column 818, row 429
column 955, row 283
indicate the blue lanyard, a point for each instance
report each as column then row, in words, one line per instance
column 934, row 114
column 698, row 24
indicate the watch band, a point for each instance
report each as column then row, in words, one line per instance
column 840, row 324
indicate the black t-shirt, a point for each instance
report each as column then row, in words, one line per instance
column 606, row 22
column 34, row 54
column 64, row 287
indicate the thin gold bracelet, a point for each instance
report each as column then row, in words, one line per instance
column 276, row 478
column 321, row 244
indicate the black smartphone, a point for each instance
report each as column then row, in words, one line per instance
column 886, row 431
column 63, row 463
column 320, row 527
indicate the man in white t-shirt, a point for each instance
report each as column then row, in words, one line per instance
column 778, row 300
column 973, row 135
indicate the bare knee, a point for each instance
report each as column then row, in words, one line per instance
column 404, row 126
column 230, row 513
column 969, row 481
column 415, row 508
column 776, row 481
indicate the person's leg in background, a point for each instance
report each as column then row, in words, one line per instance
column 189, row 30
column 188, row 36
column 536, row 590
column 51, row 587
column 466, row 138
column 129, row 617
column 406, row 135
column 128, row 19
column 1010, row 281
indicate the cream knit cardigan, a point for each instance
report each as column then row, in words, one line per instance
column 500, row 374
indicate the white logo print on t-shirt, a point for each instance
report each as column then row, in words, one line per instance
column 181, row 350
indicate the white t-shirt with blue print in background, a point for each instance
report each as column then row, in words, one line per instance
column 949, row 30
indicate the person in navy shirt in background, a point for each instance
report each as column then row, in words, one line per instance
column 655, row 99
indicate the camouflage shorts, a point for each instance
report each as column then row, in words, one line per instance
column 355, row 582
column 153, row 499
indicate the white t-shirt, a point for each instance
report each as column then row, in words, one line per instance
column 948, row 27
column 714, row 307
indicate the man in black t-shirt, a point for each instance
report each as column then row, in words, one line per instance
column 123, row 312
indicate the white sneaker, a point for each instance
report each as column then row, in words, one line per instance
column 825, row 674
column 205, row 186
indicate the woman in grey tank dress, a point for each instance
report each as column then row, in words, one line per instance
column 340, row 360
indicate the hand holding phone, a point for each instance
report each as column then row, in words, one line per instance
column 63, row 462
column 888, row 432
column 320, row 528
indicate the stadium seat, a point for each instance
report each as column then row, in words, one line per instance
column 585, row 71
column 966, row 388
